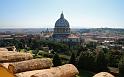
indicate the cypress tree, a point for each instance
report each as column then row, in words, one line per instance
column 72, row 59
column 56, row 60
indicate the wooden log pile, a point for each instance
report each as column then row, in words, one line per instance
column 67, row 70
column 23, row 65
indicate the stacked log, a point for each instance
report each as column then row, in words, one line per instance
column 29, row 65
column 67, row 70
column 14, row 56
column 103, row 74
column 23, row 65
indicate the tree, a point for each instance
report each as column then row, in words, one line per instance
column 86, row 60
column 91, row 45
column 72, row 59
column 121, row 67
column 113, row 58
column 56, row 60
column 35, row 44
column 101, row 62
column 80, row 49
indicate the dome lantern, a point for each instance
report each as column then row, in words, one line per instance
column 62, row 16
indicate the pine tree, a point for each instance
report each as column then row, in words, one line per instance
column 56, row 60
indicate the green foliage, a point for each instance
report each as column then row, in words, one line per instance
column 64, row 57
column 91, row 45
column 85, row 73
column 121, row 67
column 93, row 61
column 113, row 58
column 80, row 49
column 35, row 44
column 83, row 57
column 56, row 60
column 86, row 60
column 35, row 52
column 45, row 54
column 105, row 50
column 101, row 62
column 58, row 47
column 72, row 59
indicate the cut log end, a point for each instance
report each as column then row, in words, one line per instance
column 5, row 72
column 11, row 68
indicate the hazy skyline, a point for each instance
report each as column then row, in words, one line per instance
column 44, row 13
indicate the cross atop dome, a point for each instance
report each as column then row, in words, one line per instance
column 62, row 15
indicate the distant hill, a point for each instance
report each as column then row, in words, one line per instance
column 83, row 30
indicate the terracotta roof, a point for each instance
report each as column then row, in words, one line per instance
column 73, row 36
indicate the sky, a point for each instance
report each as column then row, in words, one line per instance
column 44, row 13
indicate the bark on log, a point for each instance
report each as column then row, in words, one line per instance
column 29, row 65
column 14, row 56
column 67, row 70
column 4, row 72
